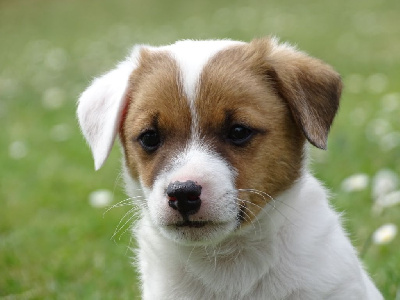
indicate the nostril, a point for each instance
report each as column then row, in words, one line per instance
column 193, row 197
column 173, row 203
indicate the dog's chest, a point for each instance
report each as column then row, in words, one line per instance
column 244, row 267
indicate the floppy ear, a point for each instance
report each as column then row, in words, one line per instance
column 310, row 87
column 100, row 108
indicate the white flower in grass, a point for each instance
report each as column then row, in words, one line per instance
column 354, row 83
column 384, row 234
column 359, row 116
column 376, row 83
column 56, row 59
column 8, row 87
column 18, row 150
column 391, row 102
column 389, row 200
column 356, row 182
column 377, row 128
column 100, row 198
column 386, row 201
column 384, row 182
column 3, row 109
column 53, row 98
column 60, row 132
column 390, row 141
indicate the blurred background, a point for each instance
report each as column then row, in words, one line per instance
column 57, row 238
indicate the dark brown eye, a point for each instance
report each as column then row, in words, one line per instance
column 239, row 135
column 150, row 140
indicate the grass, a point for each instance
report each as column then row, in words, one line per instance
column 53, row 243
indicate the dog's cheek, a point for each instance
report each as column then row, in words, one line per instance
column 143, row 166
column 270, row 167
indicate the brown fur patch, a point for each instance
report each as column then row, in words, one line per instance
column 279, row 96
column 236, row 81
column 310, row 87
column 156, row 102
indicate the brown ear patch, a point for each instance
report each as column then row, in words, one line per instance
column 310, row 87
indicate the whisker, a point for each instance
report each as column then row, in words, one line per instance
column 215, row 259
column 127, row 203
column 190, row 255
column 255, row 216
column 266, row 211
column 245, row 216
column 117, row 180
column 127, row 228
column 207, row 254
column 256, row 205
column 258, row 192
column 130, row 247
column 250, row 220
column 124, row 202
column 262, row 194
column 121, row 225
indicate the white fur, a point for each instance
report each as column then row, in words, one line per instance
column 100, row 107
column 191, row 61
column 294, row 249
column 198, row 164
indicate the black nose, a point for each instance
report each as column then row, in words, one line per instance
column 184, row 197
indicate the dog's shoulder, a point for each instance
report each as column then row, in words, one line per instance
column 314, row 247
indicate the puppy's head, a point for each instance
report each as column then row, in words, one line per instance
column 211, row 129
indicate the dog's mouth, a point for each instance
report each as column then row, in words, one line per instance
column 195, row 232
column 191, row 224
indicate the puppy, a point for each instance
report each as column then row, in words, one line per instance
column 214, row 133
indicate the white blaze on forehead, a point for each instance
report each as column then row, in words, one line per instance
column 191, row 57
column 197, row 159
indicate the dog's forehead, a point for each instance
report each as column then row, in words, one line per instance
column 191, row 58
column 196, row 84
column 165, row 88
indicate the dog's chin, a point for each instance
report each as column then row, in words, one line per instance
column 198, row 233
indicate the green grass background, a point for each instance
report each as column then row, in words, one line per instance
column 53, row 243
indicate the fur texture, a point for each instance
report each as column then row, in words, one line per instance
column 232, row 118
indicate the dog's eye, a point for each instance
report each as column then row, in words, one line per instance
column 150, row 140
column 239, row 135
